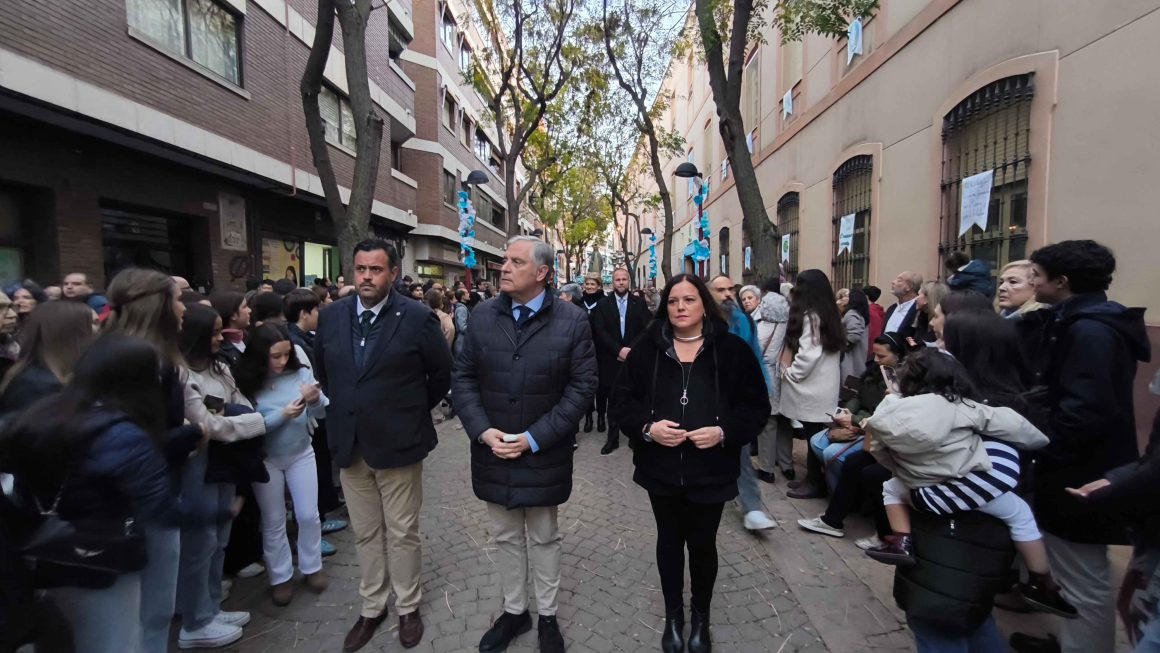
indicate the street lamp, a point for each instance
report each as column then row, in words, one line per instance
column 688, row 170
column 474, row 178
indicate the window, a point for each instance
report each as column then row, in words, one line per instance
column 497, row 216
column 465, row 60
column 482, row 205
column 449, row 189
column 482, row 146
column 337, row 118
column 448, row 111
column 989, row 131
column 397, row 155
column 200, row 30
column 467, row 130
column 852, row 196
column 397, row 41
column 788, row 210
column 791, row 65
column 447, row 32
column 752, row 93
column 723, row 240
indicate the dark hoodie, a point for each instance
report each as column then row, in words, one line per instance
column 1083, row 354
column 975, row 276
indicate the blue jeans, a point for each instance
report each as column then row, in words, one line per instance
column 159, row 586
column 104, row 620
column 930, row 638
column 832, row 454
column 1150, row 638
column 203, row 547
column 748, row 493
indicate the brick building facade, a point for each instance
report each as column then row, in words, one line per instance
column 133, row 134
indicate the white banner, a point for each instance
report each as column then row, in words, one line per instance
column 785, row 248
column 853, row 40
column 748, row 258
column 846, row 234
column 976, row 201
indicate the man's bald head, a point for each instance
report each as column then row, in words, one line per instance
column 905, row 286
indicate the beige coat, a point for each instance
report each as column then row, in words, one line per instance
column 809, row 388
column 926, row 440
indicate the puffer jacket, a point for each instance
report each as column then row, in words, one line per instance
column 539, row 379
column 926, row 439
column 974, row 276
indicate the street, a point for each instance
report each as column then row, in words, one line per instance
column 778, row 592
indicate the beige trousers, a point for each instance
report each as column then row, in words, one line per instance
column 540, row 546
column 384, row 509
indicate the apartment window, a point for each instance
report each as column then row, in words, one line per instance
column 337, row 118
column 853, row 190
column 483, row 206
column 750, row 113
column 497, row 216
column 468, row 128
column 791, row 65
column 450, row 190
column 397, row 155
column 989, row 131
column 447, row 32
column 200, row 30
column 465, row 60
column 788, row 211
column 448, row 112
column 482, row 146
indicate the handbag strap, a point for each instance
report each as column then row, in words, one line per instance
column 845, row 449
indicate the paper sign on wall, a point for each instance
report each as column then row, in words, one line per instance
column 748, row 258
column 232, row 219
column 787, row 104
column 724, row 169
column 846, row 234
column 853, row 40
column 976, row 201
column 785, row 248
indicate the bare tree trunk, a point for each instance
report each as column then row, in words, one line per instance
column 352, row 221
column 726, row 89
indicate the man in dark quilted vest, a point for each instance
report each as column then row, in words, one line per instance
column 525, row 377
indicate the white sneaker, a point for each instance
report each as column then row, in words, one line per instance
column 818, row 526
column 251, row 570
column 227, row 585
column 756, row 520
column 212, row 635
column 238, row 619
column 867, row 543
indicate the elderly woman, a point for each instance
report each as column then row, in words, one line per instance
column 1016, row 295
column 770, row 312
column 571, row 292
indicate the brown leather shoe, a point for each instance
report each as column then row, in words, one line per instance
column 362, row 632
column 317, row 582
column 410, row 629
column 282, row 593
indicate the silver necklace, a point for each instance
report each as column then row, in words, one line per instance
column 690, row 338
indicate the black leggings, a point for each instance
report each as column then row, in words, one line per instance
column 681, row 523
column 815, row 475
column 860, row 479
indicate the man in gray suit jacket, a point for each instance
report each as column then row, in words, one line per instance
column 383, row 360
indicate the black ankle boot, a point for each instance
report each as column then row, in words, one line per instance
column 601, row 425
column 588, row 423
column 699, row 640
column 673, row 639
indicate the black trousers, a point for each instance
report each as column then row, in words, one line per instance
column 327, row 494
column 245, row 545
column 680, row 524
column 859, row 481
column 815, row 475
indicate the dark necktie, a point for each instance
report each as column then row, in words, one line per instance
column 364, row 325
column 522, row 315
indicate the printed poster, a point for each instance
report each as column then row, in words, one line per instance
column 232, row 218
column 280, row 260
column 976, row 202
column 785, row 248
column 846, row 234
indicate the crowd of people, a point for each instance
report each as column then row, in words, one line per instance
column 151, row 437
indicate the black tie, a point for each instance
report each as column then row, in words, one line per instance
column 364, row 324
column 522, row 314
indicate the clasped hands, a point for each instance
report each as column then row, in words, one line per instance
column 668, row 433
column 506, row 450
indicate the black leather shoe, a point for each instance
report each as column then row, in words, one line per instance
column 673, row 639
column 699, row 639
column 588, row 423
column 601, row 425
column 789, row 474
column 766, row 477
column 504, row 630
column 551, row 640
column 1024, row 643
column 608, row 448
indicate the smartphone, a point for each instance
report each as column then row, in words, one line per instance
column 511, row 437
column 214, row 404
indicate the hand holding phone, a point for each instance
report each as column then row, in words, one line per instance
column 511, row 437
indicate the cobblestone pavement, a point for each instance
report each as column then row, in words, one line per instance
column 778, row 592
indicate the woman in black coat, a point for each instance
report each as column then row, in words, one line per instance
column 691, row 395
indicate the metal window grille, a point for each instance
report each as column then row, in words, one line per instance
column 788, row 210
column 990, row 130
column 853, row 193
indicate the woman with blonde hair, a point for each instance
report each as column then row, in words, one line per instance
column 930, row 295
column 147, row 304
column 1016, row 294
